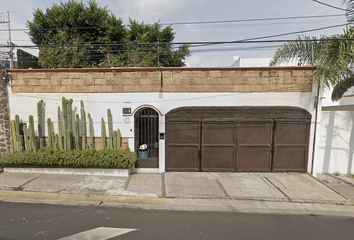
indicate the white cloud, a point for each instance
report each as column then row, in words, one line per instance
column 149, row 11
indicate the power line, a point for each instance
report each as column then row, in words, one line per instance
column 254, row 19
column 248, row 40
column 193, row 23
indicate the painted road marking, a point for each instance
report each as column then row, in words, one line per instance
column 101, row 233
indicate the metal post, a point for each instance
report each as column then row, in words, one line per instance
column 10, row 43
column 317, row 99
column 158, row 52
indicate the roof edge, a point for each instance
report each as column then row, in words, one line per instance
column 152, row 69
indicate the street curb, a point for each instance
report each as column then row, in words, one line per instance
column 116, row 172
column 340, row 194
column 100, row 199
column 181, row 204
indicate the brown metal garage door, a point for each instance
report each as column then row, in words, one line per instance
column 237, row 139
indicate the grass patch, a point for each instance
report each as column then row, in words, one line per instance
column 88, row 158
column 350, row 176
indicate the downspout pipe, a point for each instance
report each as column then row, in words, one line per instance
column 316, row 103
column 317, row 99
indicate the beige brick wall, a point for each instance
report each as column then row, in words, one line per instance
column 271, row 79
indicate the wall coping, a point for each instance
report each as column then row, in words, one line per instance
column 153, row 69
column 116, row 172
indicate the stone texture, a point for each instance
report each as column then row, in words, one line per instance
column 4, row 116
column 133, row 80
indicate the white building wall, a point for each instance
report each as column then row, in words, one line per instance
column 335, row 148
column 25, row 104
column 336, row 143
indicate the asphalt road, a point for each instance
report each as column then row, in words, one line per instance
column 45, row 221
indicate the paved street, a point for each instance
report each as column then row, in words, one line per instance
column 44, row 221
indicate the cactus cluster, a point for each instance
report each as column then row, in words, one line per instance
column 83, row 125
column 28, row 142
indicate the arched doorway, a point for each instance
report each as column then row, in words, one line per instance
column 146, row 124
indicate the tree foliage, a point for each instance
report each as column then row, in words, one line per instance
column 26, row 60
column 75, row 35
column 333, row 56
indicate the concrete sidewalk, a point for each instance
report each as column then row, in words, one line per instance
column 295, row 193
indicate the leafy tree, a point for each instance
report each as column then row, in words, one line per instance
column 350, row 10
column 333, row 56
column 75, row 35
column 26, row 60
column 148, row 46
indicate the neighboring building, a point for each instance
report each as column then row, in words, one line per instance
column 257, row 62
column 191, row 119
column 250, row 62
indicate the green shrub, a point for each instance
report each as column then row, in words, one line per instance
column 88, row 158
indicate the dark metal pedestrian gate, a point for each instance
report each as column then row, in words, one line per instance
column 146, row 122
column 237, row 139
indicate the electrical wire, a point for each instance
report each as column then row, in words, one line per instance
column 178, row 43
column 328, row 5
column 190, row 23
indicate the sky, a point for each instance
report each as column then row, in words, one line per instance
column 176, row 12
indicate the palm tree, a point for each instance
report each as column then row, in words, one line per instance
column 333, row 56
column 350, row 10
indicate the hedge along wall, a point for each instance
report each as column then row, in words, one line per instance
column 265, row 79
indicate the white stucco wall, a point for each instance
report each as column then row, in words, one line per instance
column 336, row 143
column 25, row 104
column 334, row 152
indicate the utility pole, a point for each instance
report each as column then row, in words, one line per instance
column 10, row 43
column 158, row 52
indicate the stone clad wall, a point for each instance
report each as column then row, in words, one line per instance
column 4, row 116
column 271, row 79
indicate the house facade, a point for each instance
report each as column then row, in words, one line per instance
column 187, row 119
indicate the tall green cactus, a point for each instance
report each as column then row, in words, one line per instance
column 25, row 137
column 91, row 131
column 31, row 133
column 83, row 125
column 103, row 135
column 65, row 120
column 118, row 139
column 17, row 128
column 69, row 121
column 50, row 140
column 53, row 138
column 60, row 138
column 77, row 136
column 41, row 143
column 110, row 129
column 19, row 138
column 70, row 117
column 13, row 136
column 56, row 143
column 40, row 119
column 115, row 139
column 69, row 139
